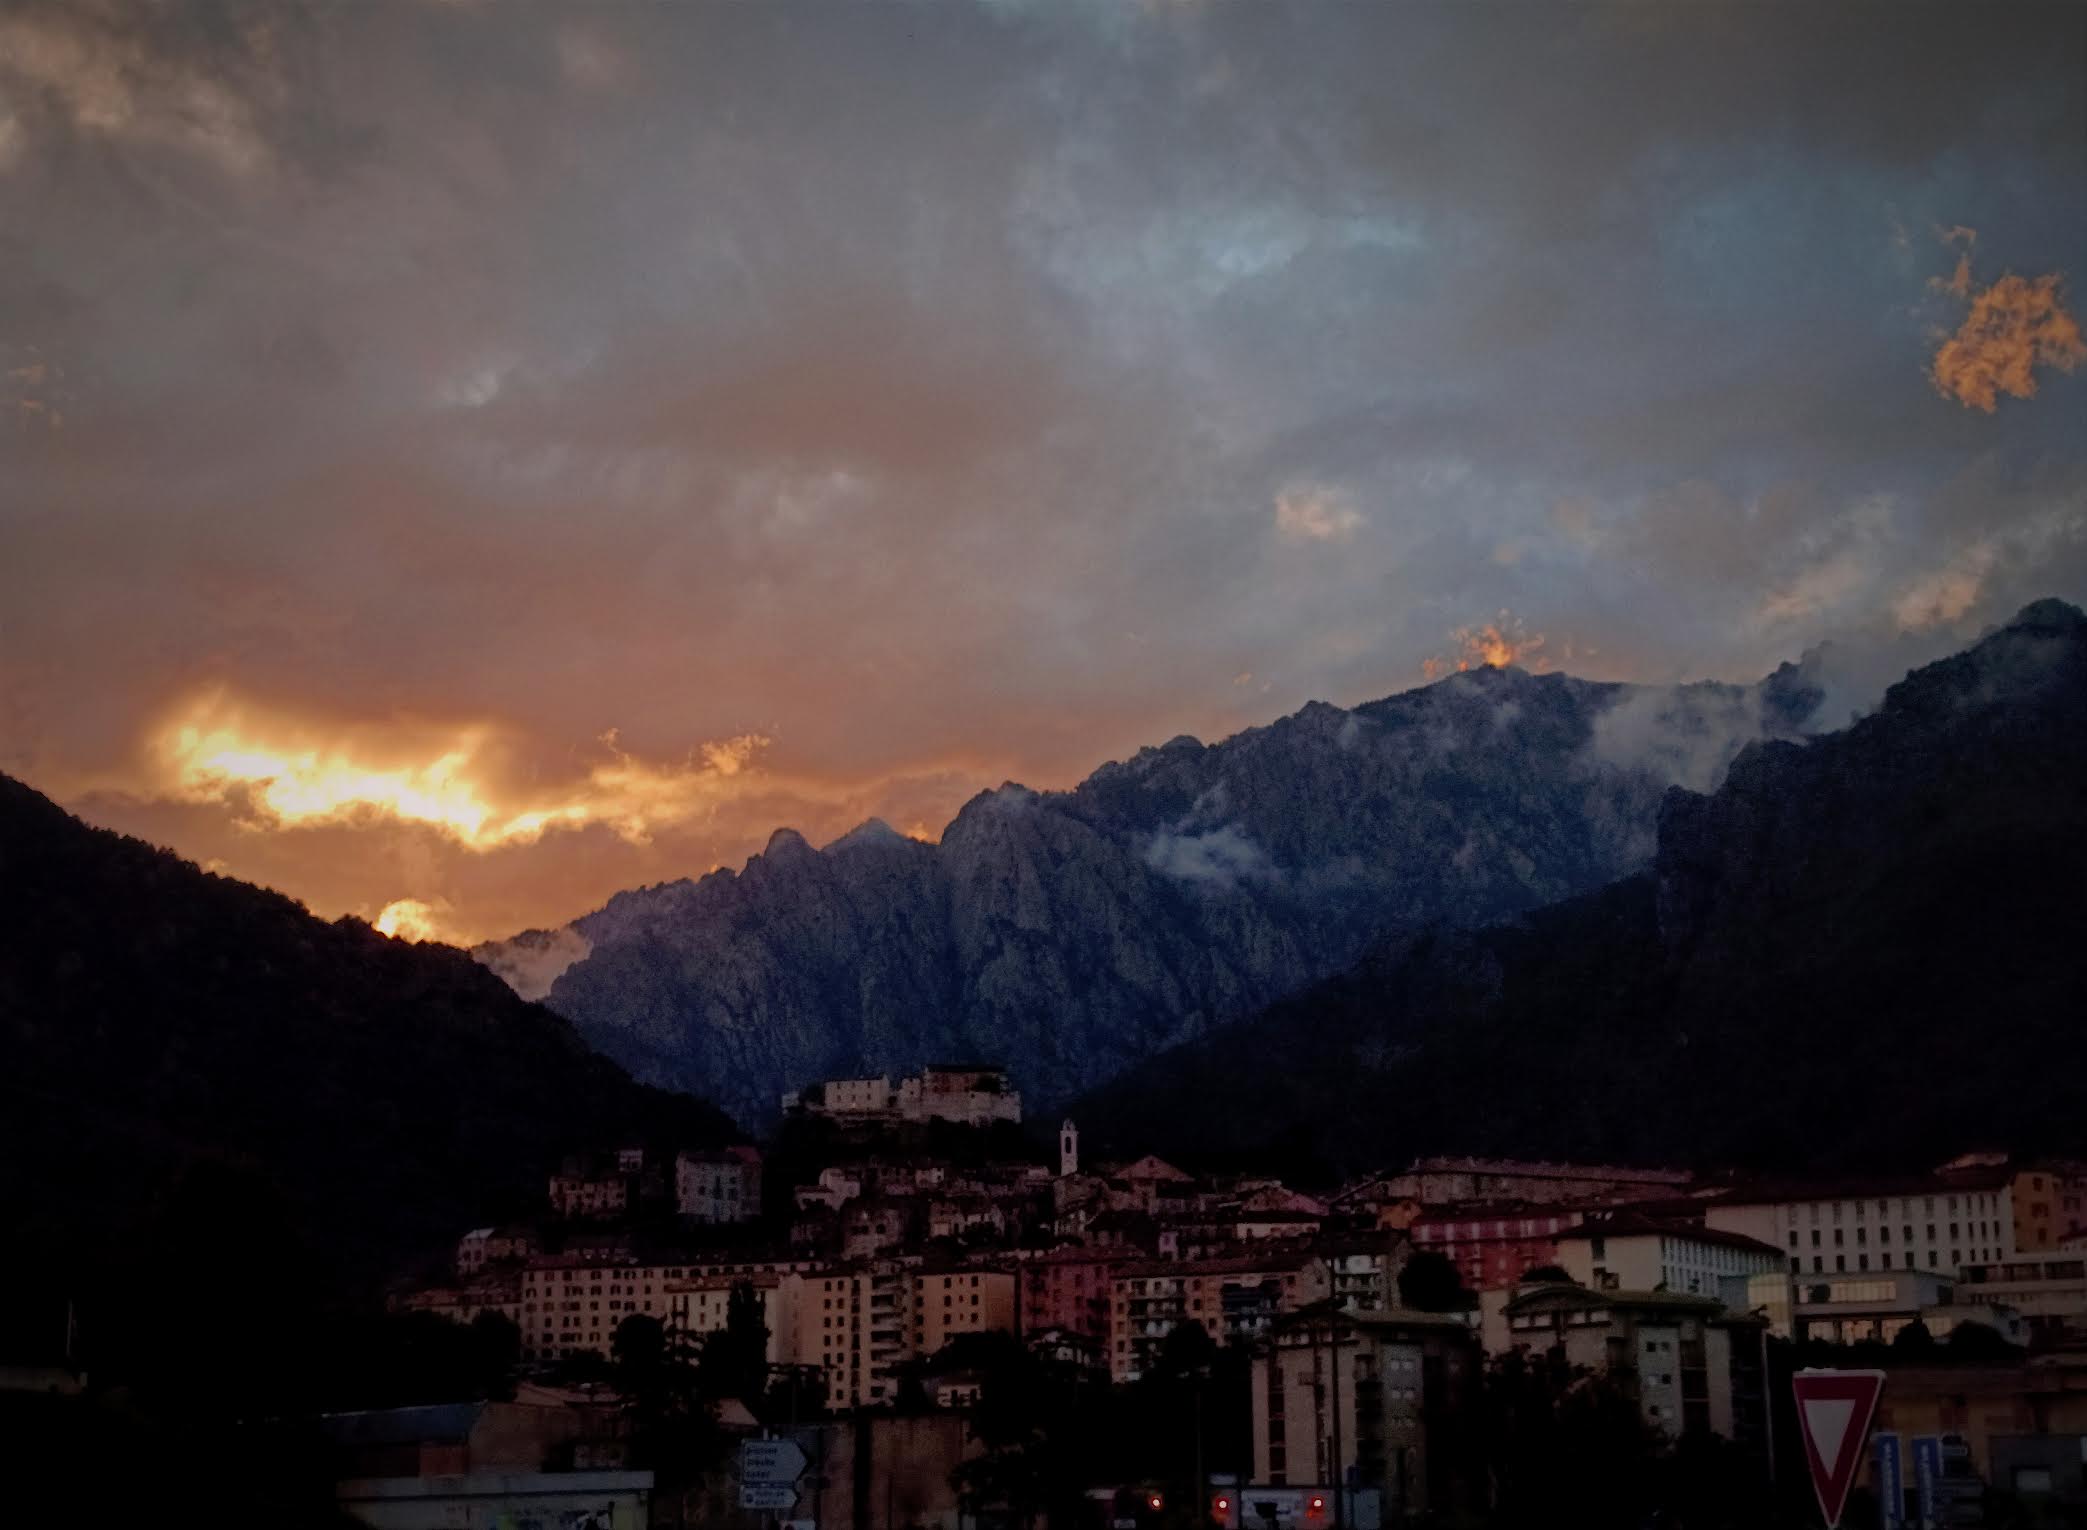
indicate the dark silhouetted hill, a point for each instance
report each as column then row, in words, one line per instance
column 1868, row 947
column 178, row 1049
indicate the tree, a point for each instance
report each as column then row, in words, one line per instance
column 1979, row 1344
column 1916, row 1338
column 1430, row 1283
column 673, row 1429
column 735, row 1357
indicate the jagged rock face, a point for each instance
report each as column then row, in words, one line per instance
column 1071, row 934
column 1859, row 950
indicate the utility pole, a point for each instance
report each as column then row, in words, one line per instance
column 1339, row 1471
column 1201, row 1500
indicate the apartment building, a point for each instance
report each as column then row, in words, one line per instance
column 2049, row 1205
column 1381, row 1407
column 1494, row 1245
column 1627, row 1251
column 1686, row 1362
column 1068, row 1290
column 1936, row 1222
column 1235, row 1300
column 719, row 1186
column 2050, row 1293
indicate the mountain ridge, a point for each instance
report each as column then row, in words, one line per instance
column 1074, row 932
column 1861, row 950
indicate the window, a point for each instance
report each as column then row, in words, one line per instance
column 1840, row 1262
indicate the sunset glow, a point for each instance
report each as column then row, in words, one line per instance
column 286, row 773
column 1495, row 645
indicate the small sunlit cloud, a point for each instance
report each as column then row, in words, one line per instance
column 1495, row 645
column 2014, row 326
column 1316, row 513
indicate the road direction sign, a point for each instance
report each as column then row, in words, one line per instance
column 1891, row 1482
column 770, row 1463
column 1834, row 1409
column 761, row 1495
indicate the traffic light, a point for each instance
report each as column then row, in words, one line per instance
column 1315, row 1506
column 1155, row 1502
column 1221, row 1509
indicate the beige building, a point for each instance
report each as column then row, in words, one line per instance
column 2049, row 1205
column 1687, row 1363
column 1384, row 1401
column 1634, row 1253
column 862, row 1324
column 723, row 1185
column 1936, row 1222
column 1235, row 1300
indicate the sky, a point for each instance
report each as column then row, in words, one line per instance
column 461, row 459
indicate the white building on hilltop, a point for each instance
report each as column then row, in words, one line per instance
column 970, row 1094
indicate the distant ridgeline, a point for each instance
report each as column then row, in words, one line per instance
column 1072, row 934
column 1863, row 950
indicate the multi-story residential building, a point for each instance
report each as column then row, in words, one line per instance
column 1494, row 1246
column 1625, row 1251
column 1381, row 1407
column 702, row 1304
column 950, row 1303
column 571, row 1303
column 2050, row 1293
column 1362, row 1274
column 1068, row 1290
column 1475, row 1181
column 1940, row 1222
column 722, row 1185
column 1233, row 1299
column 578, row 1192
column 1687, row 1363
column 2049, row 1204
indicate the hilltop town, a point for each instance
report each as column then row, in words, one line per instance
column 1362, row 1320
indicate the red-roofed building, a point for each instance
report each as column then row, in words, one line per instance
column 1493, row 1246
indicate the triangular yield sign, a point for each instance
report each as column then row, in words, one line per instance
column 1834, row 1409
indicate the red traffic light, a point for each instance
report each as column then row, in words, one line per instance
column 1155, row 1503
column 1221, row 1508
column 1316, row 1506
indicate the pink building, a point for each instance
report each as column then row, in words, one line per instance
column 1068, row 1290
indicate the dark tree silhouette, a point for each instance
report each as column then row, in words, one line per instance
column 1430, row 1283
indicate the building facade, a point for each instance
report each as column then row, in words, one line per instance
column 1382, row 1404
column 719, row 1186
column 1936, row 1223
column 1634, row 1253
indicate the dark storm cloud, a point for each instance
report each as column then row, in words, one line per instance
column 946, row 394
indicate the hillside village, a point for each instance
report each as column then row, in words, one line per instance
column 1365, row 1315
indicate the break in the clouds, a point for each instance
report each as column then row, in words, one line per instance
column 493, row 411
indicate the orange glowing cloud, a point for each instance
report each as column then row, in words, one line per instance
column 2014, row 326
column 282, row 771
column 1497, row 644
column 413, row 919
